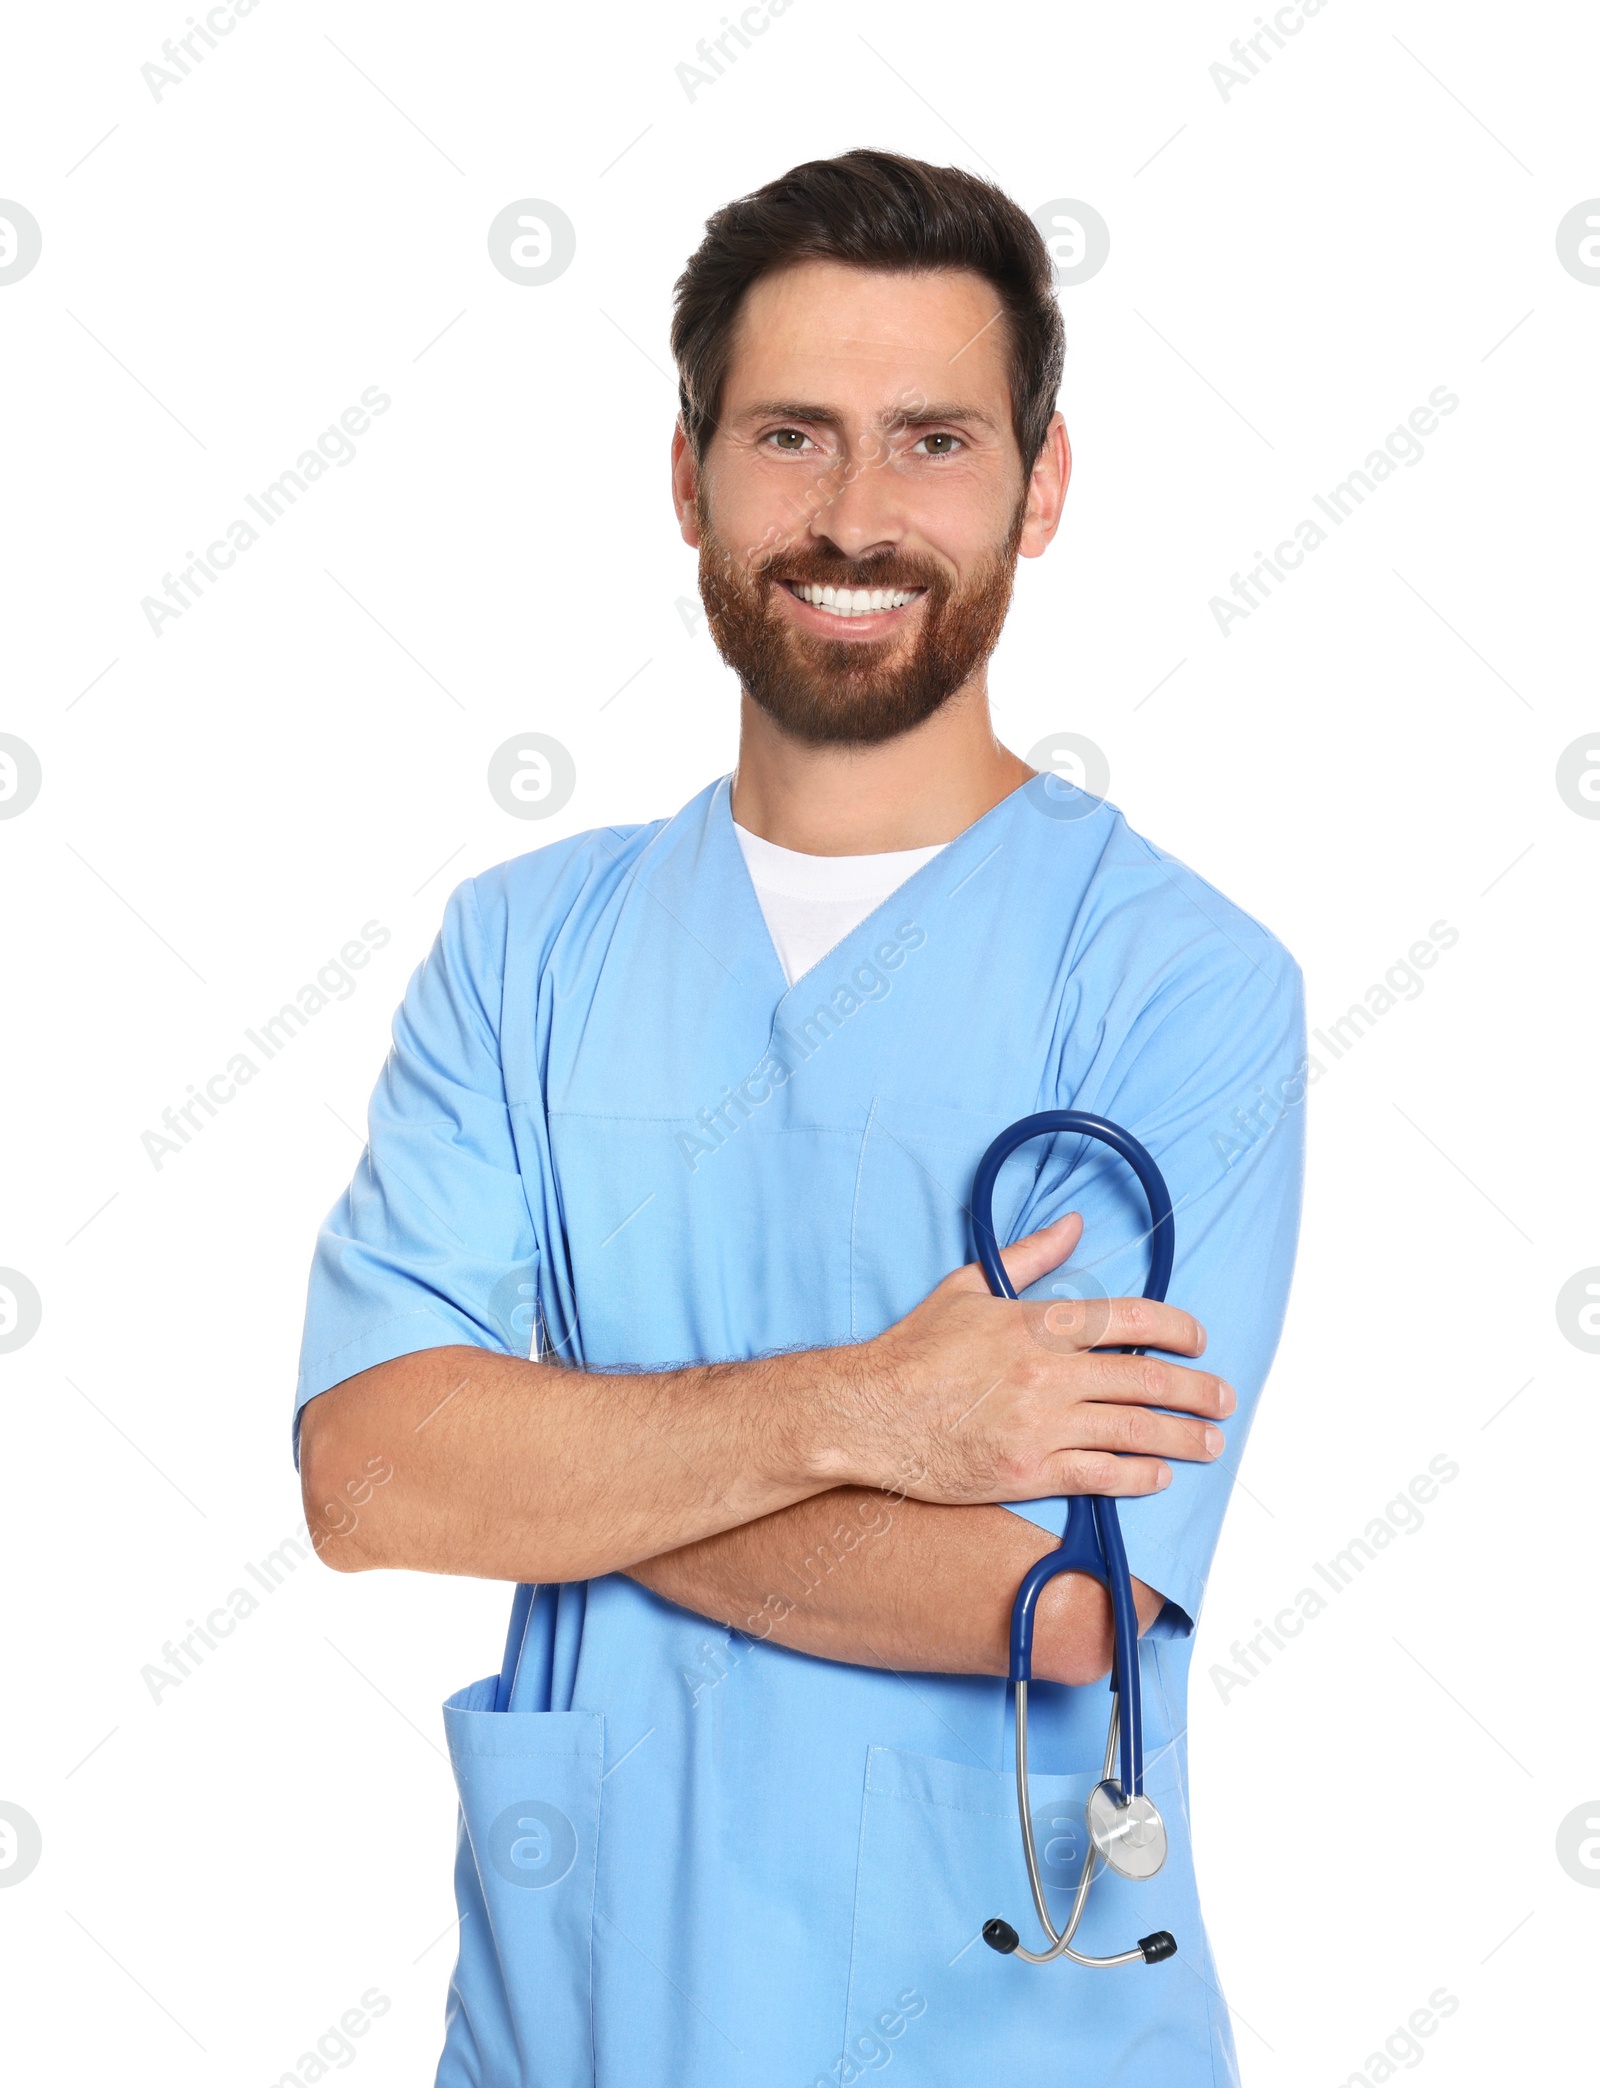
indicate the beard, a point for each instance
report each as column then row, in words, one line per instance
column 832, row 692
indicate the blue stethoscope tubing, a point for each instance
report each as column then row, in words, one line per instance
column 1092, row 1541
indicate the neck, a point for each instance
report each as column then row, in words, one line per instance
column 924, row 787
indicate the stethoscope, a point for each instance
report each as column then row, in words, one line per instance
column 1125, row 1829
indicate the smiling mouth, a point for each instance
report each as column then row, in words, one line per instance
column 852, row 601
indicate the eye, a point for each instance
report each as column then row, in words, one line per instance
column 789, row 440
column 943, row 444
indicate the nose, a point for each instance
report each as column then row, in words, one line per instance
column 860, row 513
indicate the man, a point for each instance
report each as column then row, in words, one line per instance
column 705, row 1097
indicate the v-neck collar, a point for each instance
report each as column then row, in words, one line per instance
column 959, row 861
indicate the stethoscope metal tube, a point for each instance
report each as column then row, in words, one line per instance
column 1060, row 1945
column 1125, row 1829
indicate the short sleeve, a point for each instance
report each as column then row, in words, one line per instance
column 1214, row 1083
column 433, row 1243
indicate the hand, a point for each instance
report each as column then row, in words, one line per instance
column 976, row 1398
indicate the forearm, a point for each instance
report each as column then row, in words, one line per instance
column 508, row 1469
column 883, row 1581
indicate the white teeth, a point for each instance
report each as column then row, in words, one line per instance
column 857, row 601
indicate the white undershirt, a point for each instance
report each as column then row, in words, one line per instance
column 811, row 903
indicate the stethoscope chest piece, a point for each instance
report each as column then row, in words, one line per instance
column 1128, row 1834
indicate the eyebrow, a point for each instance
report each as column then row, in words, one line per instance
column 826, row 417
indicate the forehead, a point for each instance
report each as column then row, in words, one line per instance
column 862, row 338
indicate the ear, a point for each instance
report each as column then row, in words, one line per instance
column 685, row 483
column 1047, row 490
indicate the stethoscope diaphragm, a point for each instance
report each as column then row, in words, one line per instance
column 1129, row 1834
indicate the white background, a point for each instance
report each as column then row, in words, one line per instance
column 1291, row 271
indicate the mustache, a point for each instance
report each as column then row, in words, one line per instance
column 820, row 569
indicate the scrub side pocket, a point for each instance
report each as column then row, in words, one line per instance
column 521, row 1999
column 940, row 1853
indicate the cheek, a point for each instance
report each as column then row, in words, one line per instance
column 961, row 515
column 759, row 498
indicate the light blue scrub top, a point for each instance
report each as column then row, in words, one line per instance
column 689, row 1856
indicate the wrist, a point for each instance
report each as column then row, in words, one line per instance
column 836, row 1401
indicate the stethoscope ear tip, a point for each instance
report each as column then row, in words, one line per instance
column 1001, row 1936
column 1163, row 1944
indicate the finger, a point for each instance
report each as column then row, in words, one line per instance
column 1027, row 1259
column 1096, row 1472
column 1145, row 1381
column 1133, row 1323
column 1142, row 1432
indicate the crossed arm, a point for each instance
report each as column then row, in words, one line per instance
column 843, row 1502
column 891, row 1582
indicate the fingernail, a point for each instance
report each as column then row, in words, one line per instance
column 1228, row 1399
column 1163, row 1477
column 1214, row 1441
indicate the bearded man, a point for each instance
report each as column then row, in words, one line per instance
column 764, row 1458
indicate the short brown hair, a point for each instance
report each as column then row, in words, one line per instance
column 871, row 210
